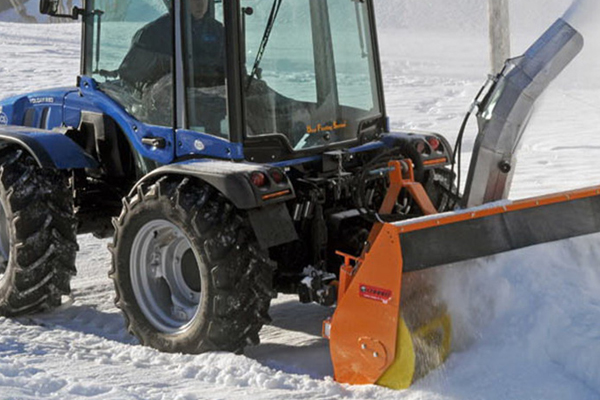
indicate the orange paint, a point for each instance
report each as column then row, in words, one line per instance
column 435, row 161
column 398, row 180
column 276, row 194
column 364, row 328
column 465, row 215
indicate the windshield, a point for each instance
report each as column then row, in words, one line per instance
column 311, row 74
column 131, row 54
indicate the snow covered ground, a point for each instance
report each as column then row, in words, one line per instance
column 527, row 323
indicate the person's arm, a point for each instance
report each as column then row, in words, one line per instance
column 150, row 55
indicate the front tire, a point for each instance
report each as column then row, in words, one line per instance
column 188, row 272
column 37, row 235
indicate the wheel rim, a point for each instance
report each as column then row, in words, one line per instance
column 4, row 240
column 165, row 275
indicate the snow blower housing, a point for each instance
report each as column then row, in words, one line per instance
column 236, row 149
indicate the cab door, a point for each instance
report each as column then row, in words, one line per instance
column 203, row 88
column 129, row 59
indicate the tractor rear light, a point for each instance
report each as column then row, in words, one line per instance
column 258, row 179
column 277, row 176
column 434, row 143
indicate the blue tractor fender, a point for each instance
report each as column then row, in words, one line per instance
column 265, row 205
column 51, row 149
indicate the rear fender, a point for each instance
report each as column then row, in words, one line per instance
column 266, row 206
column 49, row 148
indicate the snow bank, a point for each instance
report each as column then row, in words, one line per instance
column 539, row 307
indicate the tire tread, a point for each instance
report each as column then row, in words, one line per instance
column 42, row 227
column 239, row 270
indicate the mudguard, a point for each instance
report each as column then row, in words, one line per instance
column 266, row 207
column 49, row 148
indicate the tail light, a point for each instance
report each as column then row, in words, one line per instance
column 421, row 147
column 277, row 176
column 433, row 142
column 258, row 179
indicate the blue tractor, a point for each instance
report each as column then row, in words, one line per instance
column 229, row 147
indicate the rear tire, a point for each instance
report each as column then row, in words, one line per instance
column 188, row 272
column 37, row 235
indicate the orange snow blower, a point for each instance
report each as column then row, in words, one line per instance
column 370, row 334
column 389, row 328
column 371, row 288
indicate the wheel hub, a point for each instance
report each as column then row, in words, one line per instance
column 190, row 271
column 165, row 276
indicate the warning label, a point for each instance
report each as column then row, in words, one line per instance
column 375, row 293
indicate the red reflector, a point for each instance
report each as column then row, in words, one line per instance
column 258, row 179
column 277, row 176
column 433, row 142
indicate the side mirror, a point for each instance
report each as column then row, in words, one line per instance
column 49, row 7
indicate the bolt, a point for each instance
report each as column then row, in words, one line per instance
column 363, row 346
column 504, row 166
column 155, row 271
column 375, row 354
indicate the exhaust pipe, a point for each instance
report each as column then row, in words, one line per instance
column 505, row 109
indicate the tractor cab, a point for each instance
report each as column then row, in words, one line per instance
column 269, row 79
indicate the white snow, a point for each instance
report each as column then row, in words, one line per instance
column 526, row 324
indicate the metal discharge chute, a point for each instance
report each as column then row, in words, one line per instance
column 505, row 110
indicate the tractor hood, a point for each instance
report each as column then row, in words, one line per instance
column 42, row 109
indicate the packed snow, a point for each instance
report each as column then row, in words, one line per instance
column 526, row 324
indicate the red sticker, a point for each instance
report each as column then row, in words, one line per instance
column 375, row 293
